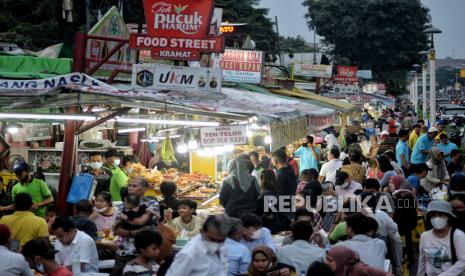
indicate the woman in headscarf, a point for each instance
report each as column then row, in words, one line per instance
column 240, row 190
column 264, row 262
column 346, row 262
column 438, row 174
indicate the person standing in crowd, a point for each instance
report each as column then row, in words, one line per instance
column 274, row 220
column 205, row 254
column 170, row 202
column 388, row 142
column 392, row 158
column 306, row 177
column 301, row 253
column 328, row 170
column 418, row 172
column 41, row 258
column 126, row 251
column 356, row 171
column 438, row 174
column 187, row 222
column 309, row 155
column 441, row 130
column 104, row 215
column 372, row 251
column 255, row 159
column 441, row 248
column 147, row 244
column 102, row 175
column 374, row 147
column 238, row 255
column 331, row 141
column 254, row 233
column 402, row 151
column 412, row 140
column 455, row 164
column 384, row 165
column 457, row 199
column 423, row 147
column 120, row 177
column 239, row 190
column 345, row 185
column 446, row 146
column 346, row 262
column 24, row 225
column 407, row 122
column 287, row 181
column 112, row 160
column 11, row 263
column 265, row 262
column 71, row 241
column 37, row 189
column 83, row 209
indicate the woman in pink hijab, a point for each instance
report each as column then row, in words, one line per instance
column 345, row 262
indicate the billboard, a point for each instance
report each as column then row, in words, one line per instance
column 240, row 65
column 223, row 135
column 313, row 70
column 346, row 75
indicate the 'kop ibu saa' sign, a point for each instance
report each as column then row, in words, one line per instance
column 178, row 29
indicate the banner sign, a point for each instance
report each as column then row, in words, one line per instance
column 111, row 25
column 285, row 133
column 365, row 74
column 223, row 135
column 313, row 70
column 346, row 75
column 180, row 29
column 177, row 78
column 241, row 65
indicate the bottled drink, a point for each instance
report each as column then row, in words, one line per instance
column 76, row 262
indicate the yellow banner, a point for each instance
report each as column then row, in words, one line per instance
column 462, row 73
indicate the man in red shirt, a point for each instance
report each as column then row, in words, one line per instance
column 42, row 258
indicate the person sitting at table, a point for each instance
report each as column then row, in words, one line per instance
column 168, row 190
column 24, row 225
column 104, row 215
column 41, row 258
column 70, row 239
column 11, row 263
column 51, row 214
column 265, row 262
column 147, row 244
column 188, row 222
column 83, row 210
column 255, row 234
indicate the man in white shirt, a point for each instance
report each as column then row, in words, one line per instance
column 255, row 234
column 11, row 263
column 301, row 253
column 329, row 169
column 238, row 255
column 69, row 240
column 206, row 254
column 345, row 185
column 371, row 251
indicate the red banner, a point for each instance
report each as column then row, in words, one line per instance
column 178, row 18
column 346, row 75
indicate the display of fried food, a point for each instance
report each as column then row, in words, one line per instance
column 154, row 177
column 138, row 170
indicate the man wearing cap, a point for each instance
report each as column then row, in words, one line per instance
column 441, row 248
column 36, row 188
column 345, row 185
column 11, row 263
column 446, row 146
column 412, row 140
column 423, row 146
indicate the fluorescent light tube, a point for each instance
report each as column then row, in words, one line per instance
column 166, row 122
column 48, row 116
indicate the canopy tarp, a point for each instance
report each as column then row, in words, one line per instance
column 316, row 99
column 29, row 67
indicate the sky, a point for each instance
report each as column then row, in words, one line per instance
column 447, row 15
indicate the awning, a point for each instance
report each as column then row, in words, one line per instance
column 28, row 67
column 316, row 99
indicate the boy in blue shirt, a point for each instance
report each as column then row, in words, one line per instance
column 446, row 146
column 423, row 146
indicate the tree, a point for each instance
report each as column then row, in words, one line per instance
column 295, row 44
column 382, row 35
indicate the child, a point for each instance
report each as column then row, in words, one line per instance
column 306, row 176
column 168, row 189
column 187, row 221
column 134, row 216
column 147, row 245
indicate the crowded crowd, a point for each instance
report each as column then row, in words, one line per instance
column 384, row 197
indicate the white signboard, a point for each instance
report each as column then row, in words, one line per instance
column 223, row 135
column 179, row 78
column 364, row 74
column 240, row 65
column 313, row 70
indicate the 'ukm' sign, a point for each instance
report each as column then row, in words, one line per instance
column 223, row 135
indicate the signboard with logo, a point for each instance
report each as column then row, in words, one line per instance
column 240, row 65
column 365, row 74
column 223, row 135
column 285, row 133
column 180, row 29
column 346, row 75
column 111, row 25
column 178, row 78
column 313, row 70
